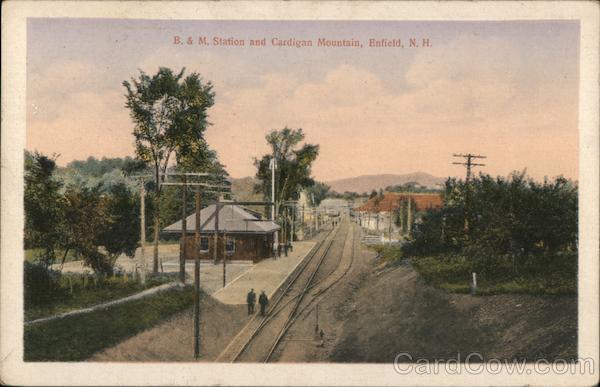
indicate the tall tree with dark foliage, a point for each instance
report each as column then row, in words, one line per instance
column 170, row 116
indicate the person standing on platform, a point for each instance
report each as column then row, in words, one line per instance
column 251, row 300
column 263, row 300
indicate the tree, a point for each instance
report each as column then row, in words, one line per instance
column 170, row 116
column 203, row 160
column 317, row 192
column 293, row 165
column 293, row 172
column 100, row 226
column 514, row 216
column 85, row 218
column 43, row 206
column 121, row 232
column 372, row 194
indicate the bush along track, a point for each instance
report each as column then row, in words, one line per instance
column 516, row 234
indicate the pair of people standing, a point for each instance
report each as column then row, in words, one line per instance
column 263, row 300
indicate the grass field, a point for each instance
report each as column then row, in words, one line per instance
column 30, row 255
column 78, row 337
column 79, row 291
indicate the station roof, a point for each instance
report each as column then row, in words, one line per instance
column 233, row 219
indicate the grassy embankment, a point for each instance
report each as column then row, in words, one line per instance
column 77, row 291
column 54, row 292
column 78, row 337
column 537, row 275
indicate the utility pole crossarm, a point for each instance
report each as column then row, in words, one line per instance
column 470, row 155
column 469, row 164
column 197, row 185
column 257, row 203
column 189, row 174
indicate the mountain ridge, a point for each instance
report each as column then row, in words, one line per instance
column 243, row 186
column 367, row 183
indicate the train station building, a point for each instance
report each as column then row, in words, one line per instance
column 243, row 234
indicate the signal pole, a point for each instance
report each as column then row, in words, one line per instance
column 469, row 164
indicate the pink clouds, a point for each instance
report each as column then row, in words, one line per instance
column 471, row 94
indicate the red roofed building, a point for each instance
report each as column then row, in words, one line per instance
column 391, row 202
column 382, row 213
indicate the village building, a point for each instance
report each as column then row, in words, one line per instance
column 395, row 211
column 243, row 234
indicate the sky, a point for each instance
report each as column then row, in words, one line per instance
column 504, row 89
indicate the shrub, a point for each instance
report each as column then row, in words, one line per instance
column 438, row 270
column 388, row 253
column 41, row 284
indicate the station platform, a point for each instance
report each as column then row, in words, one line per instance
column 241, row 276
column 267, row 275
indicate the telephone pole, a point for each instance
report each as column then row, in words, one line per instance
column 199, row 188
column 274, row 209
column 197, row 279
column 216, row 236
column 142, row 231
column 409, row 215
column 469, row 164
column 183, row 250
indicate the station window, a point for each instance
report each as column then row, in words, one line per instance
column 203, row 243
column 230, row 245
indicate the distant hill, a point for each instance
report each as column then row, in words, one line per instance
column 367, row 183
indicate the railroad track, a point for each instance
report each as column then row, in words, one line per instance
column 323, row 285
column 286, row 301
column 327, row 286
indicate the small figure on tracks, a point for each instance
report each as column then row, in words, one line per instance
column 322, row 337
column 263, row 300
column 251, row 300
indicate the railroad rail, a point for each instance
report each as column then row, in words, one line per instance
column 327, row 286
column 283, row 300
column 292, row 316
column 327, row 241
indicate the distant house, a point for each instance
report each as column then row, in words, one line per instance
column 378, row 213
column 391, row 202
column 244, row 235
